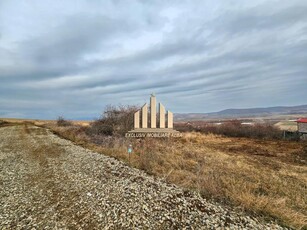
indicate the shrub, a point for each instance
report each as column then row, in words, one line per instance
column 234, row 128
column 3, row 123
column 115, row 120
column 62, row 122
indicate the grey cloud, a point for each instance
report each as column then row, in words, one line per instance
column 271, row 15
column 252, row 55
column 78, row 35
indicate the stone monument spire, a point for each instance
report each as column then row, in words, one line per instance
column 153, row 111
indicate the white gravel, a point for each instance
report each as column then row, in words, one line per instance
column 47, row 183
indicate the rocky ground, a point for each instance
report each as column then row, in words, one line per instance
column 47, row 182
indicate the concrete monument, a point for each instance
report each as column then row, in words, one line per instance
column 165, row 121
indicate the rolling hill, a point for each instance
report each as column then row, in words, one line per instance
column 247, row 112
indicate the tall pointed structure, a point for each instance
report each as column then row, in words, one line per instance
column 169, row 119
column 161, row 116
column 137, row 120
column 153, row 112
column 144, row 116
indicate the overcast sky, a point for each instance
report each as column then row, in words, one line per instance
column 72, row 58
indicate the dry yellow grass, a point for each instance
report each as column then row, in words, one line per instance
column 43, row 122
column 265, row 177
column 287, row 125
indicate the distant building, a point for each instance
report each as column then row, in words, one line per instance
column 302, row 127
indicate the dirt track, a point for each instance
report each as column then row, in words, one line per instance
column 47, row 182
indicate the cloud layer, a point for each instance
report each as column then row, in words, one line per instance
column 73, row 58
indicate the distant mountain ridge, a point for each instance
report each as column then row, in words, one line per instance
column 248, row 112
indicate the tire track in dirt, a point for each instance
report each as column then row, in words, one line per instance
column 43, row 180
column 48, row 173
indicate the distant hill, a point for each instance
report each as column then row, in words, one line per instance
column 249, row 112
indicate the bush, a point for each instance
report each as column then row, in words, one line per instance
column 3, row 123
column 234, row 128
column 62, row 122
column 115, row 120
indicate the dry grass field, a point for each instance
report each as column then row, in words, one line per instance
column 42, row 122
column 267, row 177
column 264, row 177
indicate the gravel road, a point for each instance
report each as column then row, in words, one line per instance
column 49, row 183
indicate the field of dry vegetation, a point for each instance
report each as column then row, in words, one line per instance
column 263, row 176
column 268, row 177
